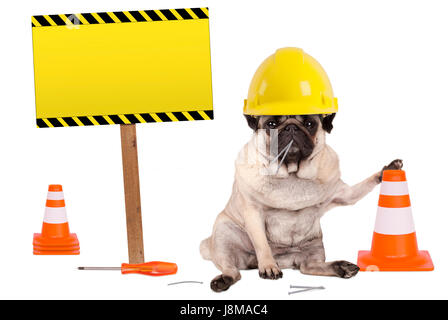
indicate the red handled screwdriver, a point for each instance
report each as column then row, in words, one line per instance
column 153, row 268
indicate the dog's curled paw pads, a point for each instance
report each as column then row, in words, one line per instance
column 270, row 271
column 345, row 269
column 221, row 283
column 397, row 164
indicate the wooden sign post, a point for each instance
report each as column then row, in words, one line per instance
column 132, row 193
column 123, row 68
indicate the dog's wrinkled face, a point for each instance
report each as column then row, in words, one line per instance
column 291, row 138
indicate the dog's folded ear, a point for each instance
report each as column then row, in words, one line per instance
column 327, row 122
column 252, row 121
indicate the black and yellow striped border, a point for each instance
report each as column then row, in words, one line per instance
column 124, row 119
column 118, row 17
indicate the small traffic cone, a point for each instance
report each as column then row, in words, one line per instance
column 394, row 244
column 55, row 238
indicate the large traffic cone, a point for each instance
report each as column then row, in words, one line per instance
column 394, row 244
column 55, row 238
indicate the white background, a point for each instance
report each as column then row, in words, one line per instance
column 388, row 65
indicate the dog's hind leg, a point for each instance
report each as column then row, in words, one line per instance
column 309, row 258
column 312, row 261
column 341, row 269
column 230, row 250
column 230, row 275
column 229, row 260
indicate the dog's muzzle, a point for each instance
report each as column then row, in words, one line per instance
column 302, row 145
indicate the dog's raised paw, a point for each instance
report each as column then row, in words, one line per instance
column 270, row 271
column 221, row 283
column 345, row 269
column 397, row 164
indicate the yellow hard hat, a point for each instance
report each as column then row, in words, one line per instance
column 290, row 82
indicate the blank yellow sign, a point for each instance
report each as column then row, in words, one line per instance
column 122, row 67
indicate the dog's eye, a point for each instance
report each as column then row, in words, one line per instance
column 272, row 124
column 308, row 123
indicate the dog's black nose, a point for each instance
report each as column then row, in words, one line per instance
column 291, row 128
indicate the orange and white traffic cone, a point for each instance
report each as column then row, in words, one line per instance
column 55, row 238
column 394, row 244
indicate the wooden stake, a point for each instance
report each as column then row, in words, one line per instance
column 132, row 193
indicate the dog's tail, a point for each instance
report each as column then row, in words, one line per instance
column 205, row 248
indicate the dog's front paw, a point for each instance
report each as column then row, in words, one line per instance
column 397, row 164
column 269, row 271
column 345, row 269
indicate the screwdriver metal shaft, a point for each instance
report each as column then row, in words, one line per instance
column 100, row 268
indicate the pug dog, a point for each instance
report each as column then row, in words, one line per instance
column 286, row 178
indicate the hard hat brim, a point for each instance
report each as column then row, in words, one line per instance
column 288, row 109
